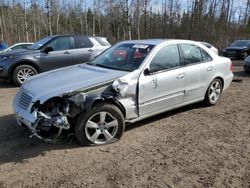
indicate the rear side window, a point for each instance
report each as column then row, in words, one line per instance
column 82, row 42
column 102, row 41
column 191, row 54
column 205, row 56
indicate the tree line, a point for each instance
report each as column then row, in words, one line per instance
column 216, row 21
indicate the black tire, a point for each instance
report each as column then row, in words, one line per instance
column 208, row 101
column 17, row 70
column 82, row 132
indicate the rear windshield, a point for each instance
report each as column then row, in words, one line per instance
column 103, row 41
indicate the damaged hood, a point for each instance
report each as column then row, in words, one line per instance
column 61, row 81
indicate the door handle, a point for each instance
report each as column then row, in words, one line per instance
column 210, row 68
column 180, row 76
column 90, row 50
column 67, row 52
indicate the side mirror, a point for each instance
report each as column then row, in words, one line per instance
column 48, row 49
column 146, row 72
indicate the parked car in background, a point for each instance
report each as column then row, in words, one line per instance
column 50, row 53
column 247, row 65
column 18, row 46
column 239, row 49
column 211, row 47
column 3, row 46
column 130, row 81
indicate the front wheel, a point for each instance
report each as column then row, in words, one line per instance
column 213, row 92
column 103, row 124
column 22, row 73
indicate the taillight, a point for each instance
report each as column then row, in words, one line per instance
column 231, row 67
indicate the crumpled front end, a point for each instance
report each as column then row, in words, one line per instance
column 59, row 112
column 50, row 117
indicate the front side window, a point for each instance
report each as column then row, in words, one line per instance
column 16, row 47
column 167, row 58
column 60, row 43
column 82, row 42
column 126, row 56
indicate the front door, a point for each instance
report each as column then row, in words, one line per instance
column 61, row 56
column 164, row 85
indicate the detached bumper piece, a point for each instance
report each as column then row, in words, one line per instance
column 44, row 123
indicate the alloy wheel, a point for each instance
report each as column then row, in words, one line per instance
column 24, row 74
column 101, row 127
column 215, row 91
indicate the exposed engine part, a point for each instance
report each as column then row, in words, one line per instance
column 60, row 121
column 48, row 116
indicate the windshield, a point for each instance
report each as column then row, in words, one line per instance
column 240, row 43
column 125, row 57
column 40, row 43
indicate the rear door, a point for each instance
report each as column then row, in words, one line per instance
column 199, row 71
column 164, row 86
column 61, row 55
column 83, row 49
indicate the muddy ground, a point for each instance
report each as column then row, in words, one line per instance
column 194, row 146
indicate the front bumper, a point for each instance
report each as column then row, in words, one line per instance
column 3, row 73
column 24, row 117
column 234, row 54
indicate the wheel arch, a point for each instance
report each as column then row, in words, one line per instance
column 91, row 102
column 26, row 62
column 221, row 79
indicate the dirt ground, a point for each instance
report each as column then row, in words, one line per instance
column 194, row 146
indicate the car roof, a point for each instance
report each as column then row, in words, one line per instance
column 157, row 41
column 72, row 35
column 147, row 41
column 245, row 40
column 22, row 43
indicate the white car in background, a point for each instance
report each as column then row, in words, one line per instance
column 18, row 46
column 211, row 47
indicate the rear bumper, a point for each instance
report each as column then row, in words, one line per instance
column 247, row 68
column 228, row 80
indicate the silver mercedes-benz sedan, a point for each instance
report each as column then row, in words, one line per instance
column 131, row 81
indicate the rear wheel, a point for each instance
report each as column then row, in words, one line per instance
column 22, row 73
column 103, row 124
column 213, row 92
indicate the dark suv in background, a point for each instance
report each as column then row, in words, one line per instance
column 50, row 53
column 239, row 49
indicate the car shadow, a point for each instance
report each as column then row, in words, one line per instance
column 164, row 115
column 241, row 74
column 16, row 146
column 6, row 84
